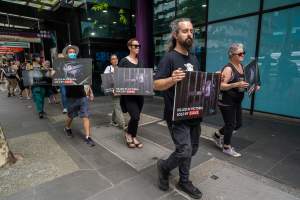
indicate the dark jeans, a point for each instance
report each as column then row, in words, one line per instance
column 232, row 116
column 134, row 106
column 186, row 140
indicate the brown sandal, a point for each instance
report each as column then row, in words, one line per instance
column 137, row 144
column 129, row 143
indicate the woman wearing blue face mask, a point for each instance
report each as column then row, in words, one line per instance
column 77, row 100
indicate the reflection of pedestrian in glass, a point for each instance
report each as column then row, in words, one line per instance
column 132, row 104
column 287, row 71
column 231, row 96
column 117, row 118
column 185, row 134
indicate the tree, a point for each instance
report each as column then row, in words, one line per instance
column 6, row 156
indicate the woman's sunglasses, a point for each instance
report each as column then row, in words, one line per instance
column 136, row 46
column 240, row 54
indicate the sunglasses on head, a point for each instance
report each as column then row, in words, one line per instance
column 136, row 46
column 240, row 54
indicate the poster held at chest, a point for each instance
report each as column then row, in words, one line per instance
column 196, row 96
column 72, row 71
column 36, row 77
column 252, row 76
column 107, row 83
column 133, row 81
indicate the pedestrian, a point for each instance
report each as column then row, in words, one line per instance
column 133, row 104
column 77, row 99
column 233, row 86
column 117, row 118
column 39, row 90
column 185, row 134
column 12, row 78
column 22, row 87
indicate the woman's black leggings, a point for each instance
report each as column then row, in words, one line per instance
column 134, row 106
column 232, row 116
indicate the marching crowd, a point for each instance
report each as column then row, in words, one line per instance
column 171, row 70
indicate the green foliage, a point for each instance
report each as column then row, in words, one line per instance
column 100, row 6
column 123, row 19
column 103, row 5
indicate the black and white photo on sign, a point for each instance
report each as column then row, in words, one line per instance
column 72, row 71
column 196, row 95
column 252, row 76
column 107, row 83
column 36, row 77
column 133, row 81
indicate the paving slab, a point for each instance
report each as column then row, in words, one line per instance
column 76, row 186
column 43, row 161
column 113, row 140
column 219, row 180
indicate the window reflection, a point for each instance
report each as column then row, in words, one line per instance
column 279, row 62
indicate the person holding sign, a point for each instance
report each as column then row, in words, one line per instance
column 133, row 104
column 233, row 86
column 77, row 99
column 117, row 118
column 40, row 87
column 185, row 133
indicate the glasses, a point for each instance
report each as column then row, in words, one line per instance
column 240, row 54
column 136, row 46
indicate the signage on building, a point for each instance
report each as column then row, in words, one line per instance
column 15, row 44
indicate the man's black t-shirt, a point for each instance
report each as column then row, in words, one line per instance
column 170, row 62
column 76, row 91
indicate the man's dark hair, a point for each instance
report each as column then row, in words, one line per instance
column 174, row 26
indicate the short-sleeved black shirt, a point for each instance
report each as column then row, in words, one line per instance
column 76, row 91
column 170, row 62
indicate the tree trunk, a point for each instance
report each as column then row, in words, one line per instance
column 6, row 156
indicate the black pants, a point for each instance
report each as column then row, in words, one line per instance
column 134, row 106
column 232, row 116
column 186, row 140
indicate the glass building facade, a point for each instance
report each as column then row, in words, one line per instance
column 269, row 30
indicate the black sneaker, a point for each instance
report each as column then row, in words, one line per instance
column 189, row 189
column 163, row 177
column 90, row 141
column 68, row 132
column 41, row 116
column 8, row 95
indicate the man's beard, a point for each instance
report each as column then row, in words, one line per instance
column 187, row 43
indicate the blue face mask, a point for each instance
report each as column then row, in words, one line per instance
column 72, row 55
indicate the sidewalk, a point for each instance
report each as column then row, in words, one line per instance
column 59, row 168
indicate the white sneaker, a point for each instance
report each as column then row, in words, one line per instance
column 65, row 111
column 230, row 151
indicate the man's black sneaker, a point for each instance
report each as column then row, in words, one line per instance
column 90, row 141
column 189, row 189
column 68, row 132
column 163, row 176
column 41, row 116
column 8, row 95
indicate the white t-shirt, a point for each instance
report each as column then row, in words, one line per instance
column 109, row 69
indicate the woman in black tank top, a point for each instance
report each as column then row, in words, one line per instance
column 230, row 99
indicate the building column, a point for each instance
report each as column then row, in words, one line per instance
column 144, row 30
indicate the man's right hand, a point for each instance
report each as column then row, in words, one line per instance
column 178, row 75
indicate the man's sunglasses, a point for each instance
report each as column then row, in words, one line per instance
column 240, row 54
column 136, row 46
